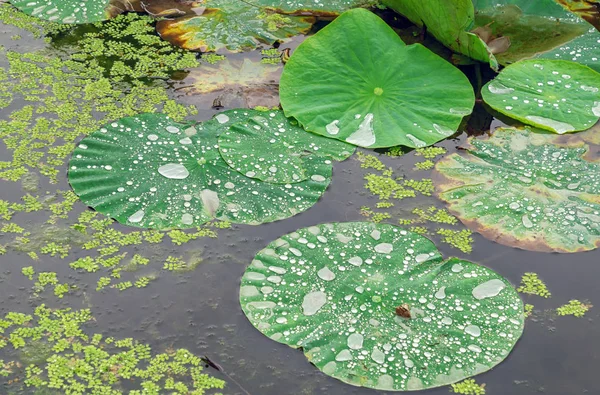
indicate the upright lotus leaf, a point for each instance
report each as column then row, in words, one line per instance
column 75, row 11
column 149, row 171
column 449, row 22
column 255, row 83
column 533, row 27
column 376, row 306
column 555, row 95
column 334, row 85
column 232, row 24
column 273, row 148
column 535, row 191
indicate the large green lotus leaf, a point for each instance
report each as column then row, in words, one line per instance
column 254, row 83
column 555, row 95
column 273, row 148
column 376, row 306
column 334, row 85
column 533, row 27
column 231, row 24
column 449, row 22
column 584, row 50
column 534, row 191
column 313, row 7
column 75, row 11
column 149, row 171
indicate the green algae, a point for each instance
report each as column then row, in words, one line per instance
column 460, row 239
column 58, row 354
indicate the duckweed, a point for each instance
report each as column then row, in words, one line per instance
column 531, row 284
column 574, row 308
column 468, row 387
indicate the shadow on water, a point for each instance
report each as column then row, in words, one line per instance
column 199, row 310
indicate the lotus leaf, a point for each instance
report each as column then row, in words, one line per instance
column 555, row 95
column 274, row 149
column 253, row 83
column 334, row 85
column 584, row 50
column 534, row 191
column 449, row 22
column 74, row 11
column 512, row 29
column 377, row 306
column 231, row 24
column 149, row 171
column 313, row 7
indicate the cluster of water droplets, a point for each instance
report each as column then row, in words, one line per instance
column 80, row 11
column 334, row 289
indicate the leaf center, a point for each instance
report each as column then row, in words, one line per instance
column 378, row 91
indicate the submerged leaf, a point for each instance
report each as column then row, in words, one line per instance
column 149, row 171
column 231, row 24
column 252, row 83
column 313, row 7
column 555, row 95
column 535, row 191
column 587, row 9
column 377, row 306
column 335, row 85
column 272, row 148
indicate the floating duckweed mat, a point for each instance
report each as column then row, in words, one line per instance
column 272, row 148
column 555, row 95
column 377, row 306
column 334, row 86
column 152, row 172
column 231, row 24
column 534, row 191
column 72, row 11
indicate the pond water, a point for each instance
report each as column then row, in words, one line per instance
column 199, row 310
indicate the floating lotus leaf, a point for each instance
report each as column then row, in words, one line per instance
column 583, row 50
column 149, row 171
column 273, row 148
column 75, row 11
column 171, row 8
column 335, row 86
column 377, row 306
column 231, row 24
column 255, row 83
column 555, row 95
column 587, row 9
column 313, row 7
column 534, row 191
column 512, row 29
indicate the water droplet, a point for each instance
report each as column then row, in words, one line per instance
column 488, row 289
column 326, row 274
column 313, row 302
column 136, row 217
column 355, row 341
column 174, row 171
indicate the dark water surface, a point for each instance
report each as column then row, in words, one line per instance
column 200, row 311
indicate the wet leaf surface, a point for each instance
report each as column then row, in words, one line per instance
column 535, row 191
column 233, row 25
column 272, row 148
column 335, row 86
column 335, row 291
column 149, row 171
column 554, row 95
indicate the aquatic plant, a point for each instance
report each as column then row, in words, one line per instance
column 574, row 308
column 531, row 284
column 367, row 105
column 337, row 292
column 556, row 95
column 177, row 177
column 468, row 387
column 525, row 189
column 79, row 363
